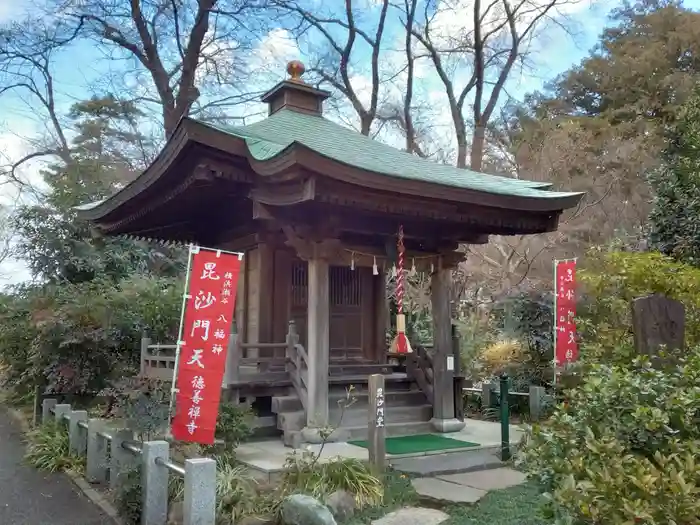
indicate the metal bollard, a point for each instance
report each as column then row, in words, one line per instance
column 200, row 492
column 505, row 419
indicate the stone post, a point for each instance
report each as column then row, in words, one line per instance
column 199, row 507
column 46, row 407
column 121, row 460
column 154, row 479
column 60, row 411
column 145, row 343
column 96, row 468
column 487, row 395
column 77, row 436
column 536, row 398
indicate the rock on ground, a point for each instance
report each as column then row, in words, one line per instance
column 299, row 509
column 412, row 516
column 342, row 505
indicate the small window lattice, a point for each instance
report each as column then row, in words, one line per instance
column 344, row 285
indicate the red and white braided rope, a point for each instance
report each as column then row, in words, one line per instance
column 400, row 275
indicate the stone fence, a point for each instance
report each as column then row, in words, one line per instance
column 537, row 397
column 111, row 453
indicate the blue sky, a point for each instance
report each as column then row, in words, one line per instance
column 81, row 72
column 86, row 66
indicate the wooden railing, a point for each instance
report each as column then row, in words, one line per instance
column 297, row 364
column 157, row 361
column 245, row 367
column 419, row 367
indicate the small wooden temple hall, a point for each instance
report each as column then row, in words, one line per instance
column 315, row 208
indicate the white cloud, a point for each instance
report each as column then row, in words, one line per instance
column 9, row 10
column 276, row 49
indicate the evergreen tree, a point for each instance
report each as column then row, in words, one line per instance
column 674, row 224
column 107, row 152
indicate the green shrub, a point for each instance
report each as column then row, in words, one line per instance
column 48, row 449
column 622, row 449
column 236, row 494
column 80, row 338
column 144, row 404
column 234, row 425
column 476, row 333
column 527, row 316
column 304, row 473
column 610, row 281
column 128, row 496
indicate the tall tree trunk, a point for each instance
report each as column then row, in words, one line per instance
column 477, row 154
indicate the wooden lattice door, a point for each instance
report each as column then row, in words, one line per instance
column 346, row 299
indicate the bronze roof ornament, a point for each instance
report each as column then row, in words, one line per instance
column 296, row 69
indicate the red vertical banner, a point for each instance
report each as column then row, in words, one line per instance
column 206, row 328
column 565, row 344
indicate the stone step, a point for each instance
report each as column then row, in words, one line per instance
column 293, row 438
column 353, row 416
column 450, row 462
column 356, row 369
column 292, row 403
column 392, row 380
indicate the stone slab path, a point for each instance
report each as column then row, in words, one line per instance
column 412, row 516
column 467, row 487
column 448, row 463
column 32, row 497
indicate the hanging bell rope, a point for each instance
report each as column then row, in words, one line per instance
column 400, row 344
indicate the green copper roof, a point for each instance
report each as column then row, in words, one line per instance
column 271, row 136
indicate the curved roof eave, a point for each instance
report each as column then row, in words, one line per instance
column 300, row 154
column 192, row 131
column 160, row 165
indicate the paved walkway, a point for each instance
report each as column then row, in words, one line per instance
column 467, row 487
column 31, row 497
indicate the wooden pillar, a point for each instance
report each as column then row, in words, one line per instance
column 443, row 359
column 318, row 342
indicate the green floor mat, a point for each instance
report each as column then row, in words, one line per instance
column 418, row 443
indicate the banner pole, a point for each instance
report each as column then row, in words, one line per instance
column 556, row 320
column 240, row 254
column 185, row 296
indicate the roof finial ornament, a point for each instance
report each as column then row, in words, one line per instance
column 295, row 69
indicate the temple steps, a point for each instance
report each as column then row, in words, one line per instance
column 407, row 409
column 353, row 368
column 294, row 439
column 360, row 399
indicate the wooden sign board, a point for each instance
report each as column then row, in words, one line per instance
column 376, row 423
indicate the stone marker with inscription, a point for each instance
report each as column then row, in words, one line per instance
column 657, row 321
column 376, row 423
